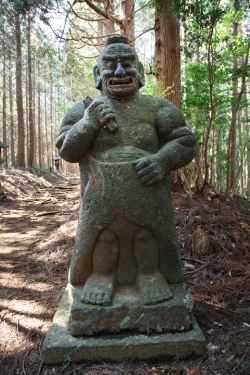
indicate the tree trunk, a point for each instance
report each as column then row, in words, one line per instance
column 12, row 129
column 4, row 119
column 232, row 140
column 167, row 51
column 109, row 26
column 46, row 145
column 31, row 148
column 198, row 156
column 167, row 64
column 127, row 17
column 39, row 115
column 19, row 93
column 233, row 119
column 51, row 116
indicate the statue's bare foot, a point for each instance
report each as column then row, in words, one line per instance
column 98, row 290
column 153, row 288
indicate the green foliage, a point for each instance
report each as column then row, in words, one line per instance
column 70, row 357
column 78, row 74
column 210, row 49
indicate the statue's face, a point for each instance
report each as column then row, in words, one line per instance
column 119, row 71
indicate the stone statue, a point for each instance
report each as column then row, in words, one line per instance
column 126, row 145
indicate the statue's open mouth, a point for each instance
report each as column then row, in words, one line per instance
column 121, row 82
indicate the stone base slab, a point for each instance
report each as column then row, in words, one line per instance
column 59, row 345
column 128, row 313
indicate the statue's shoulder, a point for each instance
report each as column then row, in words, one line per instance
column 156, row 101
column 74, row 114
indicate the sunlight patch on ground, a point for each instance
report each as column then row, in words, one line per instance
column 24, row 307
column 24, row 323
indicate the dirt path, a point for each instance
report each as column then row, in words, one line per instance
column 29, row 283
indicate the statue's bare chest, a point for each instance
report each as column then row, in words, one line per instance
column 136, row 127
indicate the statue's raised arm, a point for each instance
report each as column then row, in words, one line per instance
column 79, row 127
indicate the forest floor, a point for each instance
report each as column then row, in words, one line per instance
column 38, row 220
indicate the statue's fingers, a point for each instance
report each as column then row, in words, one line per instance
column 143, row 163
column 106, row 118
column 103, row 107
column 146, row 170
column 153, row 180
column 96, row 104
column 106, row 111
column 148, row 176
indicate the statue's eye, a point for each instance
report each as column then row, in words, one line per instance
column 112, row 65
column 126, row 64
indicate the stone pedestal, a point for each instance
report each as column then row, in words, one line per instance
column 128, row 313
column 168, row 329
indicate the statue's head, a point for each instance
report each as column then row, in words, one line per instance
column 118, row 74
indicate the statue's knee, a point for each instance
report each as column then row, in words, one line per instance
column 143, row 234
column 107, row 236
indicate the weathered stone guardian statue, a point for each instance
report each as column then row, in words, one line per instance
column 126, row 273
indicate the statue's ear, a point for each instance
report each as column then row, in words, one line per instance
column 141, row 75
column 97, row 78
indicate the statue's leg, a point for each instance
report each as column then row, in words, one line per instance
column 98, row 288
column 152, row 285
column 126, row 269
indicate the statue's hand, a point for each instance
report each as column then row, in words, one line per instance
column 98, row 114
column 149, row 170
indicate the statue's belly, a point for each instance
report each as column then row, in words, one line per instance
column 137, row 135
column 125, row 194
column 120, row 154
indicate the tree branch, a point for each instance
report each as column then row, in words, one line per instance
column 99, row 11
column 87, row 19
column 143, row 6
column 143, row 32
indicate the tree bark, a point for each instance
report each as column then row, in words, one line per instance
column 167, row 51
column 12, row 129
column 19, row 93
column 127, row 17
column 109, row 26
column 31, row 148
column 4, row 119
column 233, row 119
column 232, row 140
column 39, row 115
column 167, row 64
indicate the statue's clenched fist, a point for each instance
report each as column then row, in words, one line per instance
column 98, row 114
column 149, row 170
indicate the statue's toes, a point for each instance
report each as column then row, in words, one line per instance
column 85, row 297
column 146, row 299
column 106, row 299
column 160, row 296
column 166, row 293
column 154, row 297
column 94, row 298
column 99, row 299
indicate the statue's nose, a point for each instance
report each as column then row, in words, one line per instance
column 119, row 70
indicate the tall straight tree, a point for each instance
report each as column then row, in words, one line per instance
column 167, row 61
column 4, row 102
column 31, row 148
column 12, row 131
column 232, row 140
column 21, row 8
column 19, row 92
column 167, row 50
column 127, row 18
